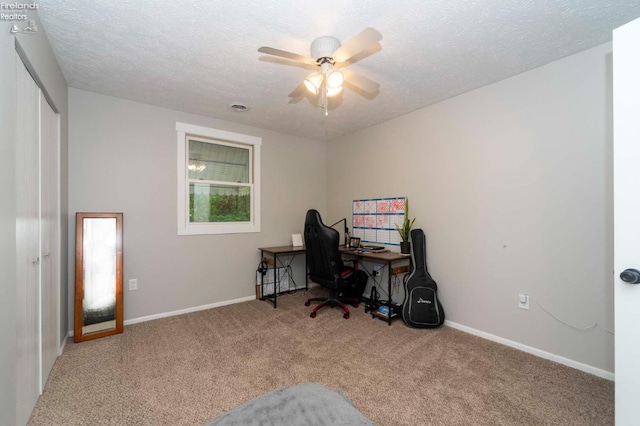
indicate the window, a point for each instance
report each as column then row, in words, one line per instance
column 218, row 181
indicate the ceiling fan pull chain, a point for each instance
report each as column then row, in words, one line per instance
column 324, row 97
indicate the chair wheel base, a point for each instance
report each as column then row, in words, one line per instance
column 332, row 301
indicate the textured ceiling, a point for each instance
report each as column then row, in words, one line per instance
column 201, row 56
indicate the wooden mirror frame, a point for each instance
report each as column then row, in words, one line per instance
column 79, row 335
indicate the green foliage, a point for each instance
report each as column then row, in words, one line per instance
column 219, row 208
column 405, row 229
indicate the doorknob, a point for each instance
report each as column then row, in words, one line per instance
column 631, row 276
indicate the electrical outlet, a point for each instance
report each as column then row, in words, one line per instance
column 523, row 301
column 133, row 284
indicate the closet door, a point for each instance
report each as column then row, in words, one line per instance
column 27, row 242
column 49, row 220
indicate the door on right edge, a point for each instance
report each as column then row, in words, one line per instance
column 626, row 159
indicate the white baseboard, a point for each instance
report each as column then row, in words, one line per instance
column 184, row 311
column 189, row 310
column 64, row 342
column 534, row 351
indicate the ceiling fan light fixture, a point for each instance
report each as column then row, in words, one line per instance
column 323, row 47
column 327, row 53
column 333, row 91
column 313, row 82
column 335, row 80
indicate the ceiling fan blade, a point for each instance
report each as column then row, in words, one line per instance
column 357, row 44
column 285, row 54
column 298, row 91
column 359, row 81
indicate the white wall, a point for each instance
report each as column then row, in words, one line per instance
column 38, row 52
column 512, row 184
column 123, row 157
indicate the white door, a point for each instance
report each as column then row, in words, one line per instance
column 27, row 243
column 49, row 219
column 626, row 122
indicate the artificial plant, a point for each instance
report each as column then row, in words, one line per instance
column 405, row 229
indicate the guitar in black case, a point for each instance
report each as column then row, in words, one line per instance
column 421, row 307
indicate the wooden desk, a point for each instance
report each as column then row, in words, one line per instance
column 270, row 255
column 386, row 258
column 272, row 260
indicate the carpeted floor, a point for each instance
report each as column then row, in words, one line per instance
column 188, row 369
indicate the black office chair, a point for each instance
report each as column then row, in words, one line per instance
column 325, row 264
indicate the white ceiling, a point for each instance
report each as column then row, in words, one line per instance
column 201, row 56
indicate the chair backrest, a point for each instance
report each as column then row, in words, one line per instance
column 323, row 257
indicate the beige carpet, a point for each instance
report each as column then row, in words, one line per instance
column 188, row 369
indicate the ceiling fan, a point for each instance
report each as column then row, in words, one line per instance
column 331, row 57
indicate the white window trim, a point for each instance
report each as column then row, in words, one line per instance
column 186, row 228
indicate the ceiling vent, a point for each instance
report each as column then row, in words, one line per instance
column 238, row 107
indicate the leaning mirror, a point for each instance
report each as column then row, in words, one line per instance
column 98, row 302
